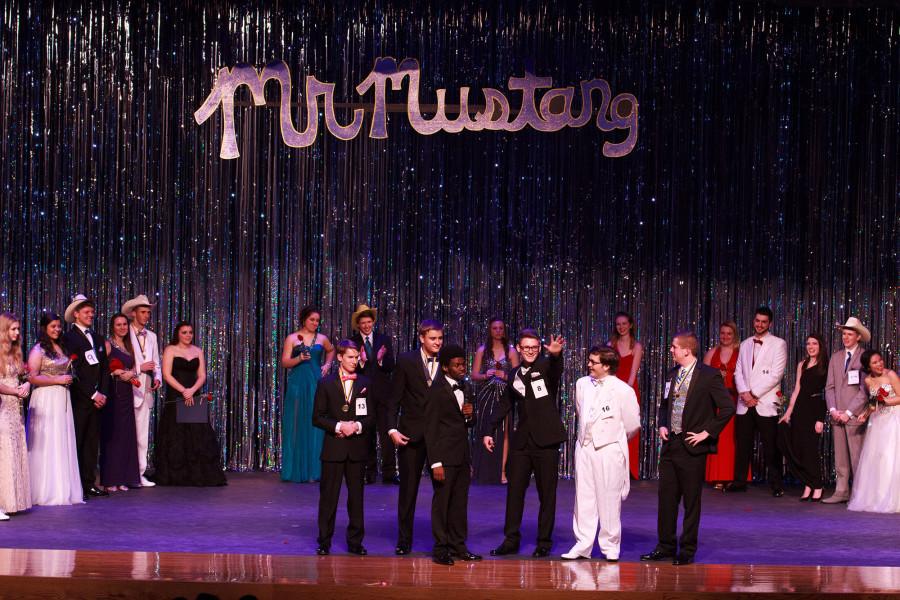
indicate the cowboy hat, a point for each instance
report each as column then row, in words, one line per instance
column 132, row 304
column 77, row 301
column 362, row 311
column 854, row 324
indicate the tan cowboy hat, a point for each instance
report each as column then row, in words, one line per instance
column 77, row 301
column 854, row 325
column 361, row 311
column 132, row 304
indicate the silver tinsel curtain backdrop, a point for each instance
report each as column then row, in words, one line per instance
column 765, row 172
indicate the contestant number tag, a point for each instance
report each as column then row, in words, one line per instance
column 91, row 357
column 539, row 388
column 853, row 377
column 362, row 409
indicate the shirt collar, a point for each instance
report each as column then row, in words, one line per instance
column 851, row 350
column 83, row 329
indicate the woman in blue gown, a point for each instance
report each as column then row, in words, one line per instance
column 302, row 355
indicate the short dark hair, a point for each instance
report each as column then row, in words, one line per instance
column 608, row 356
column 866, row 358
column 689, row 340
column 528, row 333
column 450, row 352
column 765, row 311
column 344, row 345
column 430, row 324
column 306, row 312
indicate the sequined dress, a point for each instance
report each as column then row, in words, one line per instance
column 15, row 485
column 488, row 466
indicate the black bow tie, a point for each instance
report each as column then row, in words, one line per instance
column 431, row 359
column 454, row 387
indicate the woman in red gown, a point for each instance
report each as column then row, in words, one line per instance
column 630, row 351
column 723, row 356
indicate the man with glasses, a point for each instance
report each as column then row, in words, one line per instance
column 534, row 444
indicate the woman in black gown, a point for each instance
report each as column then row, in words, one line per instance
column 119, row 468
column 806, row 416
column 186, row 453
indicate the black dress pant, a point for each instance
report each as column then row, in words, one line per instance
column 411, row 459
column 333, row 473
column 744, row 427
column 449, row 506
column 681, row 477
column 388, row 451
column 520, row 464
column 86, row 418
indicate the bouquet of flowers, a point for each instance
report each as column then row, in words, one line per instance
column 116, row 365
column 876, row 396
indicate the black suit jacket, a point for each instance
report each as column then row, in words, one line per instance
column 379, row 374
column 446, row 429
column 327, row 413
column 88, row 379
column 706, row 395
column 409, row 395
column 538, row 417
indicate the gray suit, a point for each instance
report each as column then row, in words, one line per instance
column 842, row 397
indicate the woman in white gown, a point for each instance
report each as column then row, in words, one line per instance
column 52, row 455
column 876, row 487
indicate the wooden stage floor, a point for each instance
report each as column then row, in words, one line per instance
column 28, row 573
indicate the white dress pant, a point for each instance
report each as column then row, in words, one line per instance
column 599, row 480
column 142, row 425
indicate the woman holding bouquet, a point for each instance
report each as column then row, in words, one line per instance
column 119, row 468
column 15, row 485
column 52, row 453
column 876, row 487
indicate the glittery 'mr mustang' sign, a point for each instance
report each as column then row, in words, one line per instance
column 554, row 112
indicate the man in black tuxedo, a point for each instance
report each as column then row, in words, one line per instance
column 89, row 388
column 376, row 361
column 449, row 412
column 341, row 409
column 413, row 375
column 534, row 445
column 695, row 408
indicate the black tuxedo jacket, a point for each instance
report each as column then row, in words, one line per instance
column 327, row 413
column 706, row 395
column 88, row 379
column 446, row 429
column 409, row 395
column 538, row 417
column 379, row 374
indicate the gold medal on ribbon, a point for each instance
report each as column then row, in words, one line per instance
column 345, row 408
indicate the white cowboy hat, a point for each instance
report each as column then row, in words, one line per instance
column 132, row 304
column 362, row 310
column 77, row 301
column 854, row 325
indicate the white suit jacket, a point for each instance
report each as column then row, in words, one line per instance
column 761, row 378
column 610, row 412
column 151, row 352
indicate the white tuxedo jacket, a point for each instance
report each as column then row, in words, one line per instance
column 610, row 412
column 761, row 378
column 151, row 352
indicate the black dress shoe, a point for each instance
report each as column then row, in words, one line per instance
column 777, row 492
column 395, row 480
column 504, row 549
column 467, row 556
column 322, row 550
column 612, row 560
column 401, row 550
column 736, row 487
column 96, row 492
column 371, row 478
column 359, row 550
column 540, row 552
column 442, row 559
column 683, row 559
column 656, row 555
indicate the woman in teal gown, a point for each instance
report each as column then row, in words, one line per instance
column 302, row 355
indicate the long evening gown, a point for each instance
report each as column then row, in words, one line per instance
column 804, row 459
column 634, row 444
column 15, row 483
column 301, row 443
column 488, row 466
column 118, row 432
column 720, row 466
column 186, row 453
column 876, row 488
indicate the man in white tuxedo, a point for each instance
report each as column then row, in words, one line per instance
column 608, row 414
column 760, row 368
column 146, row 357
column 845, row 396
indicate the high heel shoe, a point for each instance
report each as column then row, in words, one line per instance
column 819, row 499
column 806, row 498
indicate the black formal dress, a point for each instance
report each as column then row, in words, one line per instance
column 343, row 459
column 804, row 458
column 447, row 441
column 118, row 432
column 89, row 379
column 186, row 453
column 412, row 378
column 682, row 467
column 533, row 445
column 379, row 398
column 488, row 466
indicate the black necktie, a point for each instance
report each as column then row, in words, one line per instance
column 847, row 362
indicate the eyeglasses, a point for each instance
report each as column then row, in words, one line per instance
column 593, row 362
column 530, row 348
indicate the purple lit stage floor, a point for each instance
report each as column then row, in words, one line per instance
column 257, row 513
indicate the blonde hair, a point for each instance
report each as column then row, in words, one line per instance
column 733, row 327
column 10, row 351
